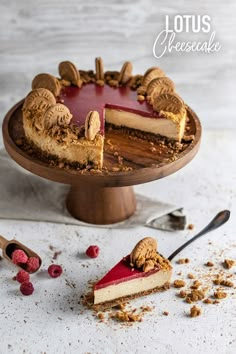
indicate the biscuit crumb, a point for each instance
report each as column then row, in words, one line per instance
column 179, row 283
column 125, row 316
column 190, row 226
column 195, row 295
column 217, row 281
column 182, row 294
column 209, row 264
column 191, row 276
column 115, row 169
column 188, row 138
column 196, row 284
column 141, row 98
column 207, row 301
column 121, row 306
column 146, row 308
column 101, row 316
column 228, row 263
column 195, row 311
column 220, row 294
column 227, row 283
column 216, row 302
column 183, row 260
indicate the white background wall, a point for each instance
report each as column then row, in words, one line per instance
column 36, row 35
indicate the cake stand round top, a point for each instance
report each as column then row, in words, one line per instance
column 128, row 160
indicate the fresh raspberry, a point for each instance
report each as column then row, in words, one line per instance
column 93, row 251
column 32, row 265
column 54, row 270
column 19, row 256
column 22, row 276
column 27, row 288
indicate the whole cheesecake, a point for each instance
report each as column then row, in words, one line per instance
column 66, row 117
column 142, row 272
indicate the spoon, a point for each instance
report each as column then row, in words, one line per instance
column 10, row 246
column 218, row 220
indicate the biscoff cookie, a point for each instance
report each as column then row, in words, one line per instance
column 126, row 72
column 39, row 99
column 169, row 102
column 99, row 69
column 48, row 82
column 92, row 125
column 144, row 250
column 151, row 74
column 69, row 72
column 57, row 114
column 158, row 86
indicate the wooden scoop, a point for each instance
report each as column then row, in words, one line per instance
column 10, row 246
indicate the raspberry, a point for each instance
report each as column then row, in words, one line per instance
column 54, row 270
column 22, row 276
column 19, row 256
column 27, row 288
column 32, row 265
column 93, row 251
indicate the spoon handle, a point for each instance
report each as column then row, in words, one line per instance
column 218, row 220
column 3, row 242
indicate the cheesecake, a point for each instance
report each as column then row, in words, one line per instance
column 66, row 117
column 142, row 272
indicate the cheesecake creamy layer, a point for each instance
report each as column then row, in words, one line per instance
column 132, row 120
column 131, row 287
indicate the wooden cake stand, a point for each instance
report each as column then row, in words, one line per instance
column 104, row 197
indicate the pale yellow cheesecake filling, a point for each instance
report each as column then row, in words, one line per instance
column 82, row 150
column 132, row 287
column 166, row 126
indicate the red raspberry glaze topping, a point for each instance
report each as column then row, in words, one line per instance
column 19, row 256
column 22, row 276
column 32, row 265
column 27, row 288
column 54, row 270
column 93, row 251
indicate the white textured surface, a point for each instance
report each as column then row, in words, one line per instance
column 52, row 320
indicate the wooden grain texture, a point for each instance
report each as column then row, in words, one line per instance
column 146, row 167
column 92, row 197
column 36, row 35
column 101, row 206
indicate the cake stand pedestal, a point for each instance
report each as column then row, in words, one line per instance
column 104, row 197
column 101, row 205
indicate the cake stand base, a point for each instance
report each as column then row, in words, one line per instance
column 101, row 205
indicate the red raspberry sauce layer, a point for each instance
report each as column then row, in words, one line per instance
column 91, row 97
column 123, row 272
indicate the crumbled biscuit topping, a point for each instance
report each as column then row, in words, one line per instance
column 228, row 263
column 195, row 311
column 179, row 283
column 220, row 294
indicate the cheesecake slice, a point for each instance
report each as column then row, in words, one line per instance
column 66, row 117
column 142, row 272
